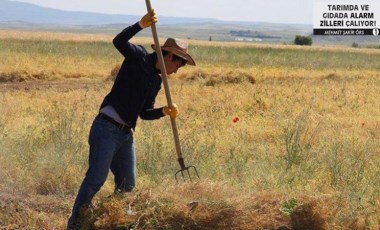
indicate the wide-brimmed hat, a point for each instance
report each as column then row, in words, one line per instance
column 178, row 48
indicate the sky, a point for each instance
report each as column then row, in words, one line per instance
column 277, row 11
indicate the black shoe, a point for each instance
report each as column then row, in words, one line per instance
column 72, row 227
column 72, row 224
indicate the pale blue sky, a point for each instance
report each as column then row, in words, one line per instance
column 278, row 11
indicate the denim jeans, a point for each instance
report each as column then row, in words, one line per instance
column 110, row 148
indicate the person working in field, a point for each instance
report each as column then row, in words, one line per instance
column 133, row 94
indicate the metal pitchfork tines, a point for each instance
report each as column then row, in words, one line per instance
column 170, row 103
column 187, row 169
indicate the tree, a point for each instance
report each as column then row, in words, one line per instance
column 303, row 40
column 355, row 45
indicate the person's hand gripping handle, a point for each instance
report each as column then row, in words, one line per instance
column 148, row 19
column 173, row 111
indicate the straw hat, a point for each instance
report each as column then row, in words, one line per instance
column 178, row 48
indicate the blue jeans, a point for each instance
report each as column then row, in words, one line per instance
column 110, row 148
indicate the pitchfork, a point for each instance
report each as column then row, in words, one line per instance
column 181, row 161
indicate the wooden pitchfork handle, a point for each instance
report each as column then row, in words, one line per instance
column 166, row 87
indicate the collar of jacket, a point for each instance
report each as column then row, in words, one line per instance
column 153, row 57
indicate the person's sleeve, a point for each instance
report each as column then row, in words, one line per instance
column 149, row 112
column 122, row 44
column 152, row 114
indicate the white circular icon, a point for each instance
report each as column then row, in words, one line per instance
column 375, row 31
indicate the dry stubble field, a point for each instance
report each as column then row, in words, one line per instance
column 303, row 155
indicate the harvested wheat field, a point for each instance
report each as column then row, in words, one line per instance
column 283, row 137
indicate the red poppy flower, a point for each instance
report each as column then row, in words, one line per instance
column 235, row 119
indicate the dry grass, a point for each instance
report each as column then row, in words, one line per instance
column 200, row 205
column 207, row 205
column 49, row 36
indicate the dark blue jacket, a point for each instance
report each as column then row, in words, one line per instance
column 137, row 83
